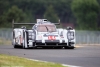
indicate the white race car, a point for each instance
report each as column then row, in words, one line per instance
column 43, row 34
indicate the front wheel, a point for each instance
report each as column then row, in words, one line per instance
column 15, row 46
column 72, row 47
column 69, row 47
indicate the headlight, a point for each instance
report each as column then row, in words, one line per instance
column 31, row 35
column 70, row 35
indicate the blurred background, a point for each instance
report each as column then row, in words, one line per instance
column 83, row 15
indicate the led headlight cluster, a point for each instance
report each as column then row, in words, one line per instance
column 70, row 35
column 30, row 36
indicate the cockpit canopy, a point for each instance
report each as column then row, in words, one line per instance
column 46, row 28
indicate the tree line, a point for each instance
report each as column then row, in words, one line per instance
column 84, row 14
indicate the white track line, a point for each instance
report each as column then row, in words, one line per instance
column 65, row 65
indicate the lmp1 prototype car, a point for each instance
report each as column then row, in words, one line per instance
column 43, row 34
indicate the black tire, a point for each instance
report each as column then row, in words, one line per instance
column 34, row 47
column 15, row 46
column 66, row 47
column 69, row 47
column 58, row 47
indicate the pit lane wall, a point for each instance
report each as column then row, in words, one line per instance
column 82, row 37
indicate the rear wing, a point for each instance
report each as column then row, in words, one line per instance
column 14, row 23
column 58, row 23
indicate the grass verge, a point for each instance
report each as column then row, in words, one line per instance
column 14, row 61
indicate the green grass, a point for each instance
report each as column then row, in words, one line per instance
column 14, row 61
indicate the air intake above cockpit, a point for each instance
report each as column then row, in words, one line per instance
column 41, row 21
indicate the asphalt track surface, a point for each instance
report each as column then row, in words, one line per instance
column 87, row 56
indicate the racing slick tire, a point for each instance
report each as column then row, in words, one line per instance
column 69, row 47
column 15, row 46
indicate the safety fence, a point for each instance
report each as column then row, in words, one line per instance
column 88, row 37
column 82, row 37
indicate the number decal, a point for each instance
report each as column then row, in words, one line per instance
column 51, row 37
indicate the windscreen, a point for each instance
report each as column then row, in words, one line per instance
column 46, row 28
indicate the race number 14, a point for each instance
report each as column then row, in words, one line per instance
column 51, row 37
